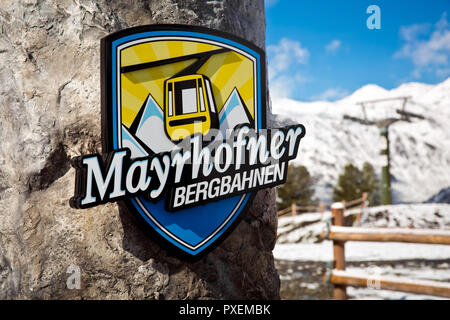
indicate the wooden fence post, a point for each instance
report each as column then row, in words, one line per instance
column 294, row 209
column 322, row 209
column 344, row 204
column 363, row 206
column 337, row 212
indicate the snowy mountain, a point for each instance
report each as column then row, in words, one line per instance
column 442, row 196
column 420, row 150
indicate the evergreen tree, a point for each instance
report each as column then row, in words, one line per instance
column 371, row 184
column 348, row 185
column 298, row 188
column 353, row 182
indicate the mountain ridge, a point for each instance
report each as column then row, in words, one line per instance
column 420, row 151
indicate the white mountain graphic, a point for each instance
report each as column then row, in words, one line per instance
column 130, row 142
column 234, row 113
column 146, row 135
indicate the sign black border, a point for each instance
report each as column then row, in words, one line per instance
column 106, row 122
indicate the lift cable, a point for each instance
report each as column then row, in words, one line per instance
column 202, row 56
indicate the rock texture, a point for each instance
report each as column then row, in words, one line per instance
column 50, row 112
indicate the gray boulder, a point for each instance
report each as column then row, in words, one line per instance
column 50, row 112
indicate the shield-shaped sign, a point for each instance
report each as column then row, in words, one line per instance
column 159, row 80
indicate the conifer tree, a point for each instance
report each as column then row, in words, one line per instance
column 299, row 188
column 352, row 182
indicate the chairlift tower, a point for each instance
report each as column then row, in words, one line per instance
column 383, row 125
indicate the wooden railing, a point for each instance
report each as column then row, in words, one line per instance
column 341, row 278
column 295, row 208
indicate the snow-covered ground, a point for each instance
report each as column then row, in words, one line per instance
column 302, row 259
column 407, row 260
column 420, row 162
column 362, row 251
column 305, row 279
column 439, row 272
column 420, row 167
column 418, row 216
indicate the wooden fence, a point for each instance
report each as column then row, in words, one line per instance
column 295, row 208
column 358, row 204
column 341, row 278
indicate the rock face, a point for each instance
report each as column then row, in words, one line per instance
column 50, row 112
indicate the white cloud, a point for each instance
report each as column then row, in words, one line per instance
column 284, row 86
column 284, row 59
column 443, row 22
column 333, row 46
column 331, row 95
column 412, row 32
column 428, row 47
column 284, row 55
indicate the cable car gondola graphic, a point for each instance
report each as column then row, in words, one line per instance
column 189, row 105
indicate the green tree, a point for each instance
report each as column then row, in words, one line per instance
column 299, row 188
column 353, row 182
column 348, row 185
column 371, row 184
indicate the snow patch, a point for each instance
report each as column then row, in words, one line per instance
column 361, row 251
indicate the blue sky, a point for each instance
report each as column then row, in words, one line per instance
column 323, row 49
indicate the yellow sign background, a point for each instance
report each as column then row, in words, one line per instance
column 225, row 70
